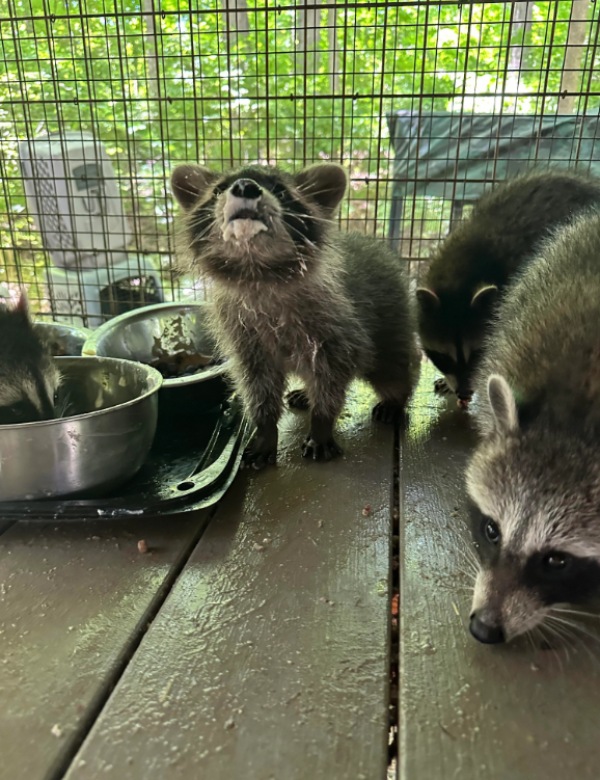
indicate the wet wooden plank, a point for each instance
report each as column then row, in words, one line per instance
column 270, row 656
column 468, row 711
column 73, row 598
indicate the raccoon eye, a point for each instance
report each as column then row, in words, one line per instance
column 491, row 531
column 556, row 562
column 279, row 190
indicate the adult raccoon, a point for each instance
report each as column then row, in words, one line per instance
column 471, row 268
column 293, row 295
column 534, row 479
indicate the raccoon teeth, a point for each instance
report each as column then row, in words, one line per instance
column 243, row 229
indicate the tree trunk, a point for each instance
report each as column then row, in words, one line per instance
column 572, row 74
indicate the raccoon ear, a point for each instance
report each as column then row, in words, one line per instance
column 22, row 306
column 189, row 182
column 325, row 183
column 484, row 297
column 503, row 403
column 427, row 299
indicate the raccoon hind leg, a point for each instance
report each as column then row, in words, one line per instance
column 394, row 392
column 441, row 387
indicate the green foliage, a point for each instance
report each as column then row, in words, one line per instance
column 178, row 86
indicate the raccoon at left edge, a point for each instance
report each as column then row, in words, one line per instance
column 292, row 295
column 28, row 377
column 533, row 482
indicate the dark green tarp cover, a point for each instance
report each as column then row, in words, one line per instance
column 455, row 156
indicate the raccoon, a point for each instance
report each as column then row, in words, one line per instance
column 28, row 377
column 469, row 271
column 534, row 479
column 293, row 295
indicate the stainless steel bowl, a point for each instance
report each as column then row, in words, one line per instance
column 151, row 332
column 112, row 407
column 63, row 339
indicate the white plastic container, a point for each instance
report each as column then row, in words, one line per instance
column 74, row 199
column 91, row 296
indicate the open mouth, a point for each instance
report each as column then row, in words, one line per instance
column 243, row 228
column 246, row 213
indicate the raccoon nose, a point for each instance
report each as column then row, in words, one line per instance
column 489, row 635
column 246, row 188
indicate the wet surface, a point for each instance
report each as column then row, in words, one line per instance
column 72, row 600
column 269, row 659
column 467, row 710
column 259, row 648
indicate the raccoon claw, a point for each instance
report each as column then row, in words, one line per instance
column 320, row 450
column 441, row 387
column 389, row 412
column 297, row 399
column 257, row 460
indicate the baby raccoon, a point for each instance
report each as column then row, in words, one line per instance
column 292, row 295
column 28, row 377
column 479, row 257
column 534, row 479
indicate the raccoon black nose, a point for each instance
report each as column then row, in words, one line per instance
column 489, row 635
column 246, row 188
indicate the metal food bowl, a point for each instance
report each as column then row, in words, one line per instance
column 63, row 340
column 153, row 332
column 109, row 410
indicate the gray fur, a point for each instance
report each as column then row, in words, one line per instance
column 536, row 471
column 299, row 298
column 470, row 270
column 28, row 377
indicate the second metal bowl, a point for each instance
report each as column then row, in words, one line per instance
column 149, row 333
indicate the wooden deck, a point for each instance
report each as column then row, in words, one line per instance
column 253, row 640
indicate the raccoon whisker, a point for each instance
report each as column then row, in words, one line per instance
column 302, row 236
column 532, row 636
column 304, row 217
column 575, row 626
column 551, row 636
column 199, row 236
column 579, row 612
column 579, row 641
column 471, row 564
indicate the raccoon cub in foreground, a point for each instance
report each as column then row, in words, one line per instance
column 28, row 377
column 477, row 260
column 291, row 294
column 534, row 479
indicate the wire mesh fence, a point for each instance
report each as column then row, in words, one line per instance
column 425, row 103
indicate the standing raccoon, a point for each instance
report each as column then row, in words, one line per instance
column 534, row 480
column 479, row 257
column 28, row 377
column 292, row 295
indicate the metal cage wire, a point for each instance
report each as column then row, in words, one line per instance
column 377, row 86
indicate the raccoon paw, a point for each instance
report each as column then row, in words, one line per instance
column 320, row 450
column 297, row 399
column 389, row 411
column 441, row 387
column 258, row 459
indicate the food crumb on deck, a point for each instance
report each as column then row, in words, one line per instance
column 142, row 546
column 366, row 510
column 56, row 731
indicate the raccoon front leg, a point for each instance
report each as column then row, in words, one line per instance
column 261, row 385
